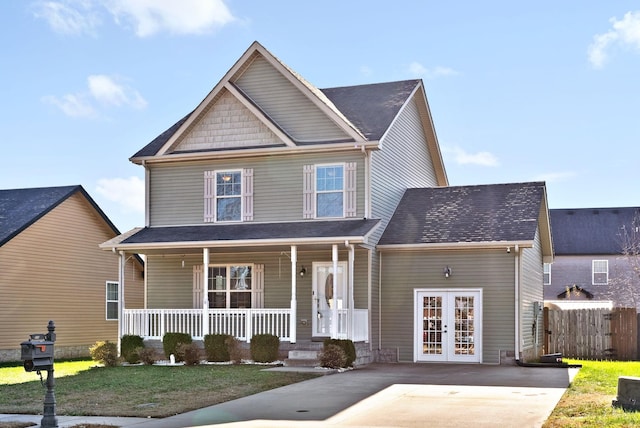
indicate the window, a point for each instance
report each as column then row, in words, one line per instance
column 228, row 195
column 547, row 273
column 230, row 286
column 600, row 272
column 329, row 191
column 112, row 300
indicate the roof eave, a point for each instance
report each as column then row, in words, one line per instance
column 444, row 246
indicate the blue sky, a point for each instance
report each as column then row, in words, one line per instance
column 518, row 91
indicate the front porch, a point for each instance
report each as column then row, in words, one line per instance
column 152, row 324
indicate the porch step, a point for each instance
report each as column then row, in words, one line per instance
column 302, row 358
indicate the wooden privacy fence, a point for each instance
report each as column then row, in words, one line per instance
column 592, row 334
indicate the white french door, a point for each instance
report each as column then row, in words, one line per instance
column 329, row 306
column 448, row 325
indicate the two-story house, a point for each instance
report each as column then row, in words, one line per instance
column 596, row 254
column 265, row 206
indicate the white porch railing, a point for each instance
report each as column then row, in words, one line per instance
column 360, row 325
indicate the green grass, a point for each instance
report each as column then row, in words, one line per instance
column 587, row 402
column 140, row 391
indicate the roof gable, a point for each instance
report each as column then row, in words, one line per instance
column 468, row 214
column 20, row 208
column 590, row 230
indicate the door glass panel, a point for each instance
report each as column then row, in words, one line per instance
column 432, row 325
column 464, row 330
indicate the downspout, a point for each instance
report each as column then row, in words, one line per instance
column 517, row 301
column 294, row 303
column 367, row 183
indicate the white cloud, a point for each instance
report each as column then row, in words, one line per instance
column 149, row 17
column 68, row 16
column 102, row 89
column 461, row 157
column 555, row 177
column 127, row 192
column 418, row 70
column 624, row 32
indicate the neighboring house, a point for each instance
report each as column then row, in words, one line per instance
column 265, row 205
column 51, row 268
column 589, row 263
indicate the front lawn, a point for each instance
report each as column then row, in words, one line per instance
column 139, row 391
column 587, row 402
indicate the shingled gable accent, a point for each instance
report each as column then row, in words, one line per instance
column 470, row 215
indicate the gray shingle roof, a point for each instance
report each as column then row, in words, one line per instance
column 483, row 213
column 249, row 231
column 371, row 108
column 20, row 208
column 590, row 230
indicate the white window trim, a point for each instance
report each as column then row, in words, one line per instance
column 546, row 272
column 107, row 300
column 216, row 197
column 211, row 197
column 594, row 272
column 227, row 290
column 316, row 192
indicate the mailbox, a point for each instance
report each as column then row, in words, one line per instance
column 37, row 354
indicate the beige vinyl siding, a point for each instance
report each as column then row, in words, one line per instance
column 286, row 105
column 176, row 191
column 54, row 270
column 531, row 291
column 404, row 271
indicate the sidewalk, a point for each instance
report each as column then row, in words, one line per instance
column 382, row 395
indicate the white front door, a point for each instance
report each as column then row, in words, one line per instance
column 448, row 325
column 329, row 304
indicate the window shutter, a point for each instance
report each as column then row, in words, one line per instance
column 350, row 201
column 197, row 286
column 247, row 194
column 308, row 184
column 257, row 297
column 209, row 196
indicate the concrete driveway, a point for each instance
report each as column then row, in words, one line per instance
column 396, row 395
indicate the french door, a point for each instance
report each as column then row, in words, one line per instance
column 448, row 325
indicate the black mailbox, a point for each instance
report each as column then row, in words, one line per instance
column 37, row 354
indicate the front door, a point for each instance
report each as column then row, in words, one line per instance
column 448, row 325
column 329, row 304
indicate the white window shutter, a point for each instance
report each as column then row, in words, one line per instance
column 209, row 196
column 198, row 286
column 247, row 194
column 308, row 183
column 257, row 296
column 350, row 200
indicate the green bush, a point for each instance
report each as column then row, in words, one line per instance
column 129, row 345
column 264, row 348
column 148, row 356
column 189, row 353
column 105, row 352
column 333, row 357
column 216, row 347
column 170, row 342
column 235, row 350
column 347, row 346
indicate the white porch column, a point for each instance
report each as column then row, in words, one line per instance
column 205, row 292
column 294, row 301
column 122, row 263
column 334, row 312
column 351, row 308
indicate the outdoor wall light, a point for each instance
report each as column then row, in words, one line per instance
column 447, row 272
column 303, row 271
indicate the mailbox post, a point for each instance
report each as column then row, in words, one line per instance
column 37, row 354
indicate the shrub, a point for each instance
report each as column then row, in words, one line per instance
column 129, row 345
column 105, row 352
column 347, row 346
column 235, row 350
column 216, row 346
column 148, row 356
column 333, row 357
column 170, row 342
column 264, row 348
column 189, row 353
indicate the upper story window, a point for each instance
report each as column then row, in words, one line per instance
column 228, row 195
column 600, row 272
column 329, row 190
column 112, row 300
column 547, row 274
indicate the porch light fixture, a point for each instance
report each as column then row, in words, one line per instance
column 447, row 272
column 303, row 271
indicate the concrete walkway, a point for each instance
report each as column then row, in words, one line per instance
column 385, row 395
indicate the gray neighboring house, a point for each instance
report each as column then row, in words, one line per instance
column 469, row 259
column 589, row 264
